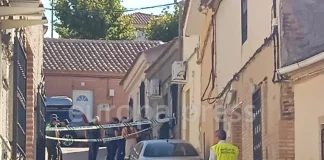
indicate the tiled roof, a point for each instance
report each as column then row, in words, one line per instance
column 92, row 55
column 141, row 18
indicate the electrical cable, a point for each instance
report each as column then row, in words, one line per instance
column 212, row 76
column 127, row 10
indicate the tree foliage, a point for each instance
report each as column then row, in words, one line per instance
column 164, row 27
column 92, row 19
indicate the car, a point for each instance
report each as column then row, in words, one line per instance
column 164, row 150
column 62, row 107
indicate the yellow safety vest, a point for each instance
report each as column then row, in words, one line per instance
column 225, row 151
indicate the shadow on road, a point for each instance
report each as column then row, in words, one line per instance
column 81, row 153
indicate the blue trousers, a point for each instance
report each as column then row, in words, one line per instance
column 93, row 150
column 121, row 149
column 112, row 150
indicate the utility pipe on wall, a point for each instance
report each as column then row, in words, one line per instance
column 302, row 64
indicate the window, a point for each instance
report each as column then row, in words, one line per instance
column 142, row 99
column 244, row 20
column 257, row 125
column 82, row 98
column 170, row 150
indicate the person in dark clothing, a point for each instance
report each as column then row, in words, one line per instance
column 93, row 134
column 121, row 143
column 164, row 131
column 51, row 145
column 65, row 123
column 146, row 135
column 112, row 145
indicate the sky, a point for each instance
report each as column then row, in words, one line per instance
column 126, row 3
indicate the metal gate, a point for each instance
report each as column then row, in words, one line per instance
column 41, row 123
column 19, row 101
column 257, row 125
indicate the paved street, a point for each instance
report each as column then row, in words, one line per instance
column 81, row 153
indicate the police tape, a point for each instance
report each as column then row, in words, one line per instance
column 99, row 140
column 108, row 125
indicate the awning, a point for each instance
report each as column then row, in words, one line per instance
column 11, row 11
column 21, row 8
column 8, row 24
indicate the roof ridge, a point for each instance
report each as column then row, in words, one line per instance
column 141, row 13
column 105, row 41
column 113, row 56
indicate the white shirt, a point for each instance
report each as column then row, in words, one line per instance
column 212, row 155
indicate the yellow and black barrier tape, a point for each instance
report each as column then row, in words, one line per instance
column 137, row 123
column 98, row 140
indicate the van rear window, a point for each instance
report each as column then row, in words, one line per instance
column 170, row 150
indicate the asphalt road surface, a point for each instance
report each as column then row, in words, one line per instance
column 81, row 153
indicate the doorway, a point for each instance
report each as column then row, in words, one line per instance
column 83, row 101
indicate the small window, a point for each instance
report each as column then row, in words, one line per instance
column 82, row 98
column 244, row 21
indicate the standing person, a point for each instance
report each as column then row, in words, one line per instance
column 164, row 130
column 130, row 138
column 112, row 146
column 51, row 145
column 65, row 123
column 93, row 134
column 223, row 150
column 146, row 135
column 121, row 143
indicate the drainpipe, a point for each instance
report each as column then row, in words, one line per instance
column 179, row 114
column 302, row 64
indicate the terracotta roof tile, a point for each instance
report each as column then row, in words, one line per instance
column 92, row 55
column 141, row 18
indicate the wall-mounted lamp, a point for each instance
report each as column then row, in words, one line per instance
column 236, row 77
column 82, row 83
column 111, row 92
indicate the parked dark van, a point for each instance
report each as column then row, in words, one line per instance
column 63, row 107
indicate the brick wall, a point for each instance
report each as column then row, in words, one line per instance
column 235, row 136
column 34, row 51
column 286, row 124
column 247, row 140
column 64, row 86
column 287, row 100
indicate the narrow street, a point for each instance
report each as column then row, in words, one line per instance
column 81, row 153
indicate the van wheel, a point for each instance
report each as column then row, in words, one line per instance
column 69, row 135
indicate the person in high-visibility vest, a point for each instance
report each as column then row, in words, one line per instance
column 223, row 150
